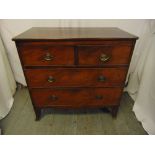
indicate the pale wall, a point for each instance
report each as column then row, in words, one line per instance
column 11, row 28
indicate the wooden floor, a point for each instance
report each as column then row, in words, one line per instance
column 21, row 120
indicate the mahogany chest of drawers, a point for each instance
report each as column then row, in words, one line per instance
column 75, row 67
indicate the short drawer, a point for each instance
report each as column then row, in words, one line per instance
column 46, row 55
column 99, row 55
column 78, row 77
column 76, row 97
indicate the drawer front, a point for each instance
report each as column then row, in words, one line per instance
column 76, row 97
column 105, row 55
column 81, row 77
column 39, row 55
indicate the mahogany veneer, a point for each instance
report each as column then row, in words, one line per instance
column 79, row 97
column 76, row 77
column 75, row 67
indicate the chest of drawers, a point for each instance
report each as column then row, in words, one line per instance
column 75, row 67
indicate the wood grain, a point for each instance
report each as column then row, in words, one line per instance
column 76, row 97
column 76, row 77
column 33, row 55
column 70, row 33
column 90, row 55
column 79, row 78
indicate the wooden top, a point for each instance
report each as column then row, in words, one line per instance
column 70, row 33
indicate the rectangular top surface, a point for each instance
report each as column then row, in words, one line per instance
column 74, row 33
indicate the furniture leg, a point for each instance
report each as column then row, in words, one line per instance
column 38, row 113
column 114, row 111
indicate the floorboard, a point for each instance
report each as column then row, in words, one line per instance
column 21, row 120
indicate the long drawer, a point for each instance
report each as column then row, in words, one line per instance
column 76, row 97
column 78, row 77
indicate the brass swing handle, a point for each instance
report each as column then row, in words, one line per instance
column 104, row 57
column 51, row 79
column 48, row 57
column 101, row 78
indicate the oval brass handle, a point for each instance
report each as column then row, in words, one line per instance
column 104, row 58
column 99, row 97
column 48, row 57
column 54, row 98
column 101, row 78
column 51, row 79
